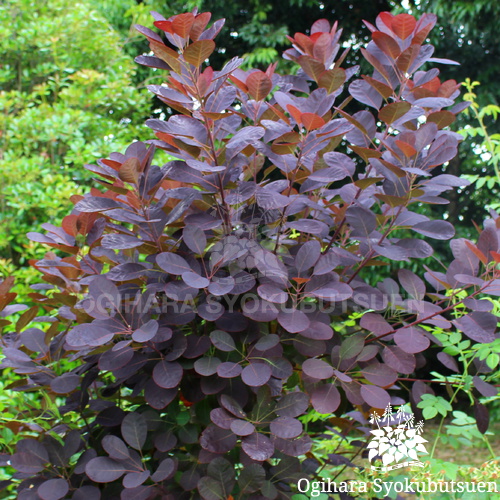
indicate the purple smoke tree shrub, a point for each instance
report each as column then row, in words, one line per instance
column 201, row 310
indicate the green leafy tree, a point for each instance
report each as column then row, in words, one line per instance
column 62, row 104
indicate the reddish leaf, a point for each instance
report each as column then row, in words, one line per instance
column 259, row 85
column 403, row 25
column 391, row 112
column 200, row 23
column 129, row 171
column 384, row 90
column 441, row 118
column 406, row 148
column 311, row 121
column 295, row 113
column 198, row 51
column 166, row 54
column 182, row 24
column 311, row 67
column 386, row 44
column 332, row 79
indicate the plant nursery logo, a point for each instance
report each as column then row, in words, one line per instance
column 396, row 438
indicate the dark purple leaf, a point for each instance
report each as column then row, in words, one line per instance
column 210, row 489
column 317, row 368
column 412, row 284
column 167, row 374
column 53, row 489
column 260, row 310
column 433, row 102
column 436, row 229
column 194, row 238
column 221, row 286
column 164, row 441
column 115, row 447
column 221, row 418
column 88, row 335
column 252, row 478
column 293, row 320
column 362, row 221
column 222, row 341
column 66, row 383
column 134, row 479
column 271, row 293
column 479, row 326
column 309, row 226
column 380, row 374
column 292, row 404
column 228, row 369
column 104, row 470
column 270, row 266
column 293, row 447
column 318, row 331
column 207, row 366
column 411, row 339
column 352, row 346
column 286, row 427
column 368, row 352
column 165, row 470
column 120, row 241
column 113, row 360
column 137, row 493
column 415, row 248
column 330, row 174
column 486, row 390
column 267, row 342
column 365, row 93
column 256, row 374
column 34, row 340
column 325, row 398
column 158, row 397
column 399, row 360
column 195, row 280
column 87, row 493
column 375, row 396
column 97, row 204
column 217, row 440
column 243, row 138
column 257, row 447
column 335, row 292
column 152, row 62
column 307, row 256
column 326, row 263
column 482, row 417
column 448, row 361
column 232, row 406
column 242, row 427
column 172, row 263
column 134, row 430
column 146, row 332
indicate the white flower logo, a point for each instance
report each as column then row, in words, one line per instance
column 393, row 444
